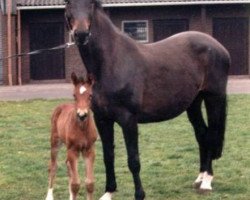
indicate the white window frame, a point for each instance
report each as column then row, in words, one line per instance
column 135, row 21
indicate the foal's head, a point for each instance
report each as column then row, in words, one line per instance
column 79, row 15
column 82, row 94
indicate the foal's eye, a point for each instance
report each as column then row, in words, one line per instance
column 74, row 96
column 90, row 97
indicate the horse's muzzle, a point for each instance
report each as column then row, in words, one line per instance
column 81, row 38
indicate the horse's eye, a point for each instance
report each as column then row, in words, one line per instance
column 90, row 97
column 74, row 96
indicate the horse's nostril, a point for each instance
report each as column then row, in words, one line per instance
column 81, row 36
column 76, row 34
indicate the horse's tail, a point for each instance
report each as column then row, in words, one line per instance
column 221, row 128
column 216, row 105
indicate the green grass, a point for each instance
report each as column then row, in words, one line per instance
column 169, row 156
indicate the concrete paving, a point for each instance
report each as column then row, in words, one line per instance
column 64, row 90
column 36, row 91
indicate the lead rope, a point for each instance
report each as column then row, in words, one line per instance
column 39, row 51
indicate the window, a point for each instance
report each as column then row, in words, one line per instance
column 137, row 30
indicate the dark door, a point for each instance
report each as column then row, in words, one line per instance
column 166, row 27
column 233, row 34
column 48, row 65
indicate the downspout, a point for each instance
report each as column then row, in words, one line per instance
column 19, row 48
column 204, row 18
column 9, row 35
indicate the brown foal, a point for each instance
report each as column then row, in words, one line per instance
column 73, row 125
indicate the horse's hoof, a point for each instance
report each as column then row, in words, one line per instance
column 107, row 196
column 196, row 185
column 204, row 191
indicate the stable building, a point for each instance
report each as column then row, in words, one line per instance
column 40, row 24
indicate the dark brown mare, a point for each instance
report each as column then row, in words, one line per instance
column 73, row 124
column 141, row 83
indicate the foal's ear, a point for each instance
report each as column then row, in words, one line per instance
column 74, row 78
column 90, row 79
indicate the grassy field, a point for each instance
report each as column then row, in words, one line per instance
column 169, row 156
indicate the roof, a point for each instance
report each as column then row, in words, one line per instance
column 42, row 4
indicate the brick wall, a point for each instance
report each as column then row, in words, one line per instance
column 5, row 50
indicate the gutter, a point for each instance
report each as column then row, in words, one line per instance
column 175, row 3
column 112, row 5
column 40, row 7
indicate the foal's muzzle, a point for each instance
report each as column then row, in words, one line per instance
column 82, row 114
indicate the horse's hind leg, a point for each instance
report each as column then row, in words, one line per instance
column 210, row 138
column 216, row 113
column 200, row 128
column 55, row 145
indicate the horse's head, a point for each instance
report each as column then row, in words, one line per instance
column 79, row 15
column 82, row 94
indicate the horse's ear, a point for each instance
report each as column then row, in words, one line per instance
column 74, row 78
column 97, row 3
column 90, row 79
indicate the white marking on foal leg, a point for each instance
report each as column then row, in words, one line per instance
column 206, row 182
column 106, row 196
column 70, row 193
column 50, row 194
column 198, row 180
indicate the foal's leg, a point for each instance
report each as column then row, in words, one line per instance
column 200, row 128
column 89, row 157
column 55, row 145
column 72, row 165
column 130, row 132
column 106, row 132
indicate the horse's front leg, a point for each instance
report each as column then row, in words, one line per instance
column 106, row 132
column 89, row 157
column 130, row 131
column 72, row 165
